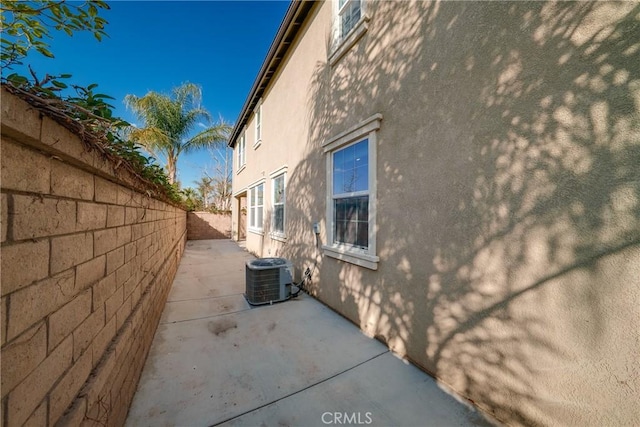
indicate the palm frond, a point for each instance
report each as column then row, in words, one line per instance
column 213, row 135
column 188, row 95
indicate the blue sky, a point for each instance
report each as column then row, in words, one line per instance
column 157, row 45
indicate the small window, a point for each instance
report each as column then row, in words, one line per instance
column 258, row 120
column 349, row 12
column 278, row 202
column 256, row 207
column 242, row 151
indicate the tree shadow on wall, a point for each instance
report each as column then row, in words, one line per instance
column 508, row 184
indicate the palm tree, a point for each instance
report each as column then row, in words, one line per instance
column 205, row 187
column 169, row 122
column 191, row 199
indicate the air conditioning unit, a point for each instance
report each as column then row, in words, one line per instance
column 268, row 280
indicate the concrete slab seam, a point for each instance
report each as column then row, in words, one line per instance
column 204, row 298
column 204, row 317
column 301, row 390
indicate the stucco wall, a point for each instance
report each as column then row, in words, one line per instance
column 206, row 225
column 87, row 263
column 285, row 139
column 508, row 217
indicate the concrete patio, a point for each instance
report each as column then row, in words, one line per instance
column 215, row 360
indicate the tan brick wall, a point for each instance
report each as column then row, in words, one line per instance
column 87, row 262
column 205, row 225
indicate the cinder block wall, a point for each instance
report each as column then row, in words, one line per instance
column 205, row 225
column 87, row 262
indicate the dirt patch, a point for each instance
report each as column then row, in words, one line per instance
column 272, row 326
column 220, row 327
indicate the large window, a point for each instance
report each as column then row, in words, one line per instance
column 349, row 12
column 256, row 207
column 278, row 203
column 242, row 151
column 351, row 194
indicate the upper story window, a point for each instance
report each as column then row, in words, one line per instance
column 351, row 194
column 258, row 121
column 350, row 24
column 349, row 13
column 242, row 152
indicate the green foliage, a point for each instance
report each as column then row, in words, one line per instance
column 215, row 210
column 28, row 25
column 169, row 122
column 88, row 114
column 205, row 189
column 192, row 200
column 86, row 103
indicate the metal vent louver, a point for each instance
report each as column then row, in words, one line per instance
column 268, row 280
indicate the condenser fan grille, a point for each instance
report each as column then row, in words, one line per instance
column 265, row 285
column 268, row 262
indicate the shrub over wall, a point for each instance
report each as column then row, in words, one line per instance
column 87, row 261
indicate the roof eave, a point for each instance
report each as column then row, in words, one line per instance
column 289, row 27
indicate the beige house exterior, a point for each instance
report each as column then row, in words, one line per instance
column 473, row 169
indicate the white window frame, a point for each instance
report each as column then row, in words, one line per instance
column 366, row 257
column 342, row 43
column 242, row 152
column 276, row 234
column 252, row 220
column 258, row 124
column 341, row 11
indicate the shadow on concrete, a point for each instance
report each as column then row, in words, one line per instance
column 217, row 361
